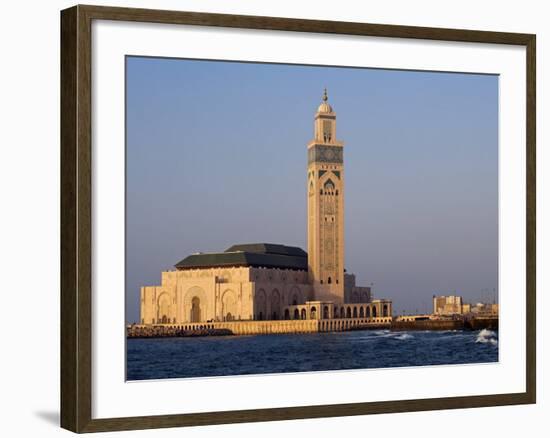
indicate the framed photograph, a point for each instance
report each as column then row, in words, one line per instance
column 272, row 218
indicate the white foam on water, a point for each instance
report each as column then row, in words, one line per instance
column 392, row 335
column 382, row 332
column 487, row 337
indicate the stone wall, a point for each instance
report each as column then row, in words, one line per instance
column 429, row 324
column 257, row 327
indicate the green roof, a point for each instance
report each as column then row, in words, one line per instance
column 268, row 248
column 267, row 255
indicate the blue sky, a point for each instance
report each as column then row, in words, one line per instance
column 216, row 155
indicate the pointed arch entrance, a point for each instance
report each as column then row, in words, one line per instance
column 195, row 305
column 195, row 310
column 229, row 305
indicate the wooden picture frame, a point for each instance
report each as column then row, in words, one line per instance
column 76, row 217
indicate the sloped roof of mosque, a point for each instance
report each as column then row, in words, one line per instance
column 268, row 248
column 267, row 255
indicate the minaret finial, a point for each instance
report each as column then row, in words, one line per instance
column 325, row 97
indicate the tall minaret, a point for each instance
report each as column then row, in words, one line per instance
column 325, row 207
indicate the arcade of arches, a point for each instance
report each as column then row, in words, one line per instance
column 229, row 294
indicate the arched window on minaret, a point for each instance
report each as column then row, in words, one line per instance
column 329, row 186
column 325, row 125
column 327, row 131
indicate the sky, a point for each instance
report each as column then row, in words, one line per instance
column 216, row 154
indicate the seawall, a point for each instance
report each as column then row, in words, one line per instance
column 228, row 328
column 429, row 324
column 255, row 327
column 490, row 323
column 476, row 323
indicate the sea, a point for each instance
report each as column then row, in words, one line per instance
column 181, row 357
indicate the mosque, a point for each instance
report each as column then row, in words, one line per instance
column 265, row 281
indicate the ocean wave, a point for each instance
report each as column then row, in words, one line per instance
column 392, row 335
column 382, row 332
column 486, row 336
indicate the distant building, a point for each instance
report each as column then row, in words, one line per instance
column 454, row 305
column 447, row 305
column 484, row 309
column 264, row 281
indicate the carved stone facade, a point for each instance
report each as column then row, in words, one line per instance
column 326, row 207
column 223, row 294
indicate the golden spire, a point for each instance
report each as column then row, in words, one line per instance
column 325, row 106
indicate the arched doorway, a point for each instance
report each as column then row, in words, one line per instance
column 368, row 311
column 294, row 297
column 385, row 311
column 325, row 312
column 348, row 312
column 355, row 312
column 303, row 313
column 373, row 311
column 296, row 314
column 163, row 309
column 287, row 314
column 195, row 305
column 275, row 304
column 229, row 305
column 361, row 312
column 260, row 304
column 313, row 313
column 195, row 309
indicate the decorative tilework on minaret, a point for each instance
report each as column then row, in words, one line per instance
column 325, row 182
